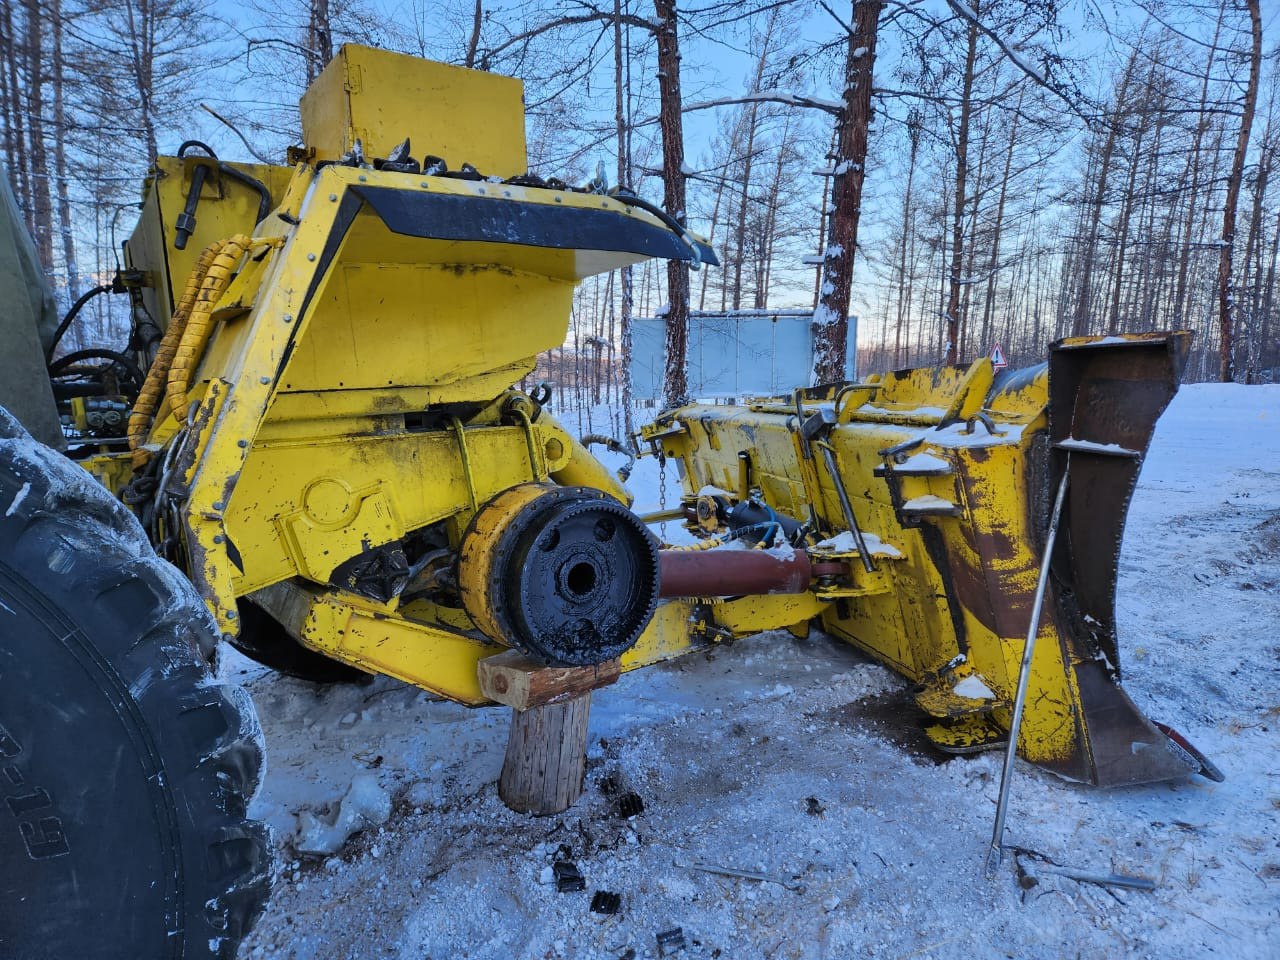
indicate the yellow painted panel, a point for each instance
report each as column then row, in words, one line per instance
column 419, row 324
column 419, row 475
column 464, row 116
column 221, row 213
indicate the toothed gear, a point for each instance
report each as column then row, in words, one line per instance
column 567, row 575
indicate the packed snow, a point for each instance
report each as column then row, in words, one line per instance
column 802, row 762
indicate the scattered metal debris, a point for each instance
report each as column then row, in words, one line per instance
column 742, row 874
column 606, row 902
column 610, row 786
column 569, row 878
column 670, row 941
column 630, row 805
column 1032, row 864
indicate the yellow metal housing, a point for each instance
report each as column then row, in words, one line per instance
column 335, row 394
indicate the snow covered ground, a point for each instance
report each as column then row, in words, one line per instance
column 799, row 760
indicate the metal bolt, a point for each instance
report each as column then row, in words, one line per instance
column 311, row 257
column 557, row 199
column 506, row 193
column 242, row 444
column 363, row 178
column 288, row 318
column 231, row 614
column 480, row 190
column 333, row 197
column 425, row 185
column 218, row 538
column 264, row 380
column 218, row 504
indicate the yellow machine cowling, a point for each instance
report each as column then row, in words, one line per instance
column 334, row 399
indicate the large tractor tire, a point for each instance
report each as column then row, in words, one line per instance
column 125, row 767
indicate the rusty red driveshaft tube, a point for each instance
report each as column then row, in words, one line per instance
column 736, row 573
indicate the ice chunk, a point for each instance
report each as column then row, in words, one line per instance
column 365, row 804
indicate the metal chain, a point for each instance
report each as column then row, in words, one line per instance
column 662, row 494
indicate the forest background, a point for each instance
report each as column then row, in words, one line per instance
column 955, row 174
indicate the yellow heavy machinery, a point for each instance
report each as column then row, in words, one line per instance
column 329, row 442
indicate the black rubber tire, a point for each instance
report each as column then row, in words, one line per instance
column 125, row 767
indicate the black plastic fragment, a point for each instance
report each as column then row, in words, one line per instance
column 630, row 805
column 568, row 877
column 610, row 786
column 606, row 902
column 670, row 941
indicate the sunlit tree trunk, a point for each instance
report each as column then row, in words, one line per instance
column 1226, row 306
column 831, row 319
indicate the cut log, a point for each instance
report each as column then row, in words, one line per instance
column 546, row 756
column 522, row 683
column 546, row 760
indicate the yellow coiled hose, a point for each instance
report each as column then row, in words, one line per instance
column 196, row 331
column 186, row 337
column 144, row 408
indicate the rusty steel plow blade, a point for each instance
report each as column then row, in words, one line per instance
column 1104, row 400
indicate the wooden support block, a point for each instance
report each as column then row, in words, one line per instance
column 546, row 760
column 519, row 682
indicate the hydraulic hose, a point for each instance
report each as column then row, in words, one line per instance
column 71, row 315
column 227, row 170
column 199, row 325
column 144, row 408
column 690, row 241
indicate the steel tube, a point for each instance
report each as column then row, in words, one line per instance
column 732, row 573
column 846, row 508
column 1024, row 674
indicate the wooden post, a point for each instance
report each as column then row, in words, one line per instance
column 546, row 759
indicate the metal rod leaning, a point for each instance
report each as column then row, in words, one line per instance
column 1024, row 673
column 833, row 468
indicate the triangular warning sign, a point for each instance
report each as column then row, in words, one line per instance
column 997, row 358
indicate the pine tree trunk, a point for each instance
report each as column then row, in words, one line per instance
column 15, row 127
column 320, row 38
column 769, row 234
column 1089, row 256
column 1126, row 214
column 993, row 264
column 41, row 197
column 477, row 21
column 831, row 319
column 626, row 304
column 1191, row 178
column 904, row 305
column 1253, row 253
column 1226, row 339
column 822, row 218
column 952, row 311
column 676, row 376
column 60, row 137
